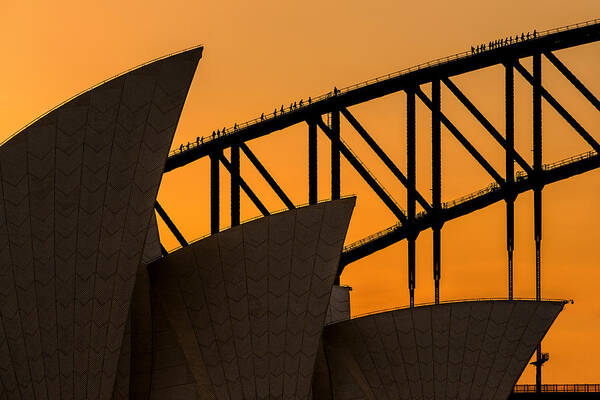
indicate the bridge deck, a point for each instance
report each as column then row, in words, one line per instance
column 475, row 201
column 550, row 40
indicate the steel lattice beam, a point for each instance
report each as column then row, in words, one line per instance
column 312, row 162
column 395, row 234
column 395, row 83
column 267, row 176
column 382, row 155
column 253, row 197
column 573, row 79
column 486, row 124
column 362, row 171
column 559, row 108
column 163, row 214
column 459, row 136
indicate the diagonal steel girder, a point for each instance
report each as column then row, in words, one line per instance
column 261, row 207
column 267, row 176
column 573, row 79
column 459, row 136
column 382, row 155
column 397, row 233
column 362, row 171
column 172, row 227
column 559, row 108
column 486, row 124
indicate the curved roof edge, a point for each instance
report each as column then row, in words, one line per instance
column 447, row 302
column 255, row 218
column 468, row 349
column 199, row 48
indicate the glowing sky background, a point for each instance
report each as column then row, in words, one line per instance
column 261, row 54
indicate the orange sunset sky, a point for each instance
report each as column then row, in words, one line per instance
column 261, row 54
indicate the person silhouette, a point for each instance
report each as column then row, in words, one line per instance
column 309, row 100
column 335, row 91
column 275, row 112
column 534, row 33
column 522, row 36
column 181, row 148
column 472, row 50
column 197, row 140
column 262, row 116
column 281, row 109
column 300, row 103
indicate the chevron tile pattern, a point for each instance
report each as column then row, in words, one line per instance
column 142, row 309
column 248, row 304
column 463, row 350
column 339, row 305
column 141, row 337
column 78, row 188
column 152, row 247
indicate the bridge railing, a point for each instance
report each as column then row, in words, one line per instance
column 297, row 105
column 519, row 176
column 492, row 187
column 570, row 160
column 560, row 388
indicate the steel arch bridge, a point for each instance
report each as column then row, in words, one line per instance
column 333, row 105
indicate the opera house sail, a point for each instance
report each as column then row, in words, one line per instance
column 92, row 306
column 455, row 350
column 78, row 188
column 243, row 309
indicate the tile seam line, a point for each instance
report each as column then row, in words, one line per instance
column 448, row 349
column 117, row 275
column 26, row 174
column 250, row 320
column 404, row 364
column 485, row 382
column 323, row 210
column 288, row 300
column 466, row 335
column 386, row 355
column 232, row 338
column 412, row 319
column 520, row 340
column 241, row 228
column 75, row 305
column 33, row 263
column 8, row 347
column 59, row 378
column 484, row 335
column 100, row 228
column 212, row 322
